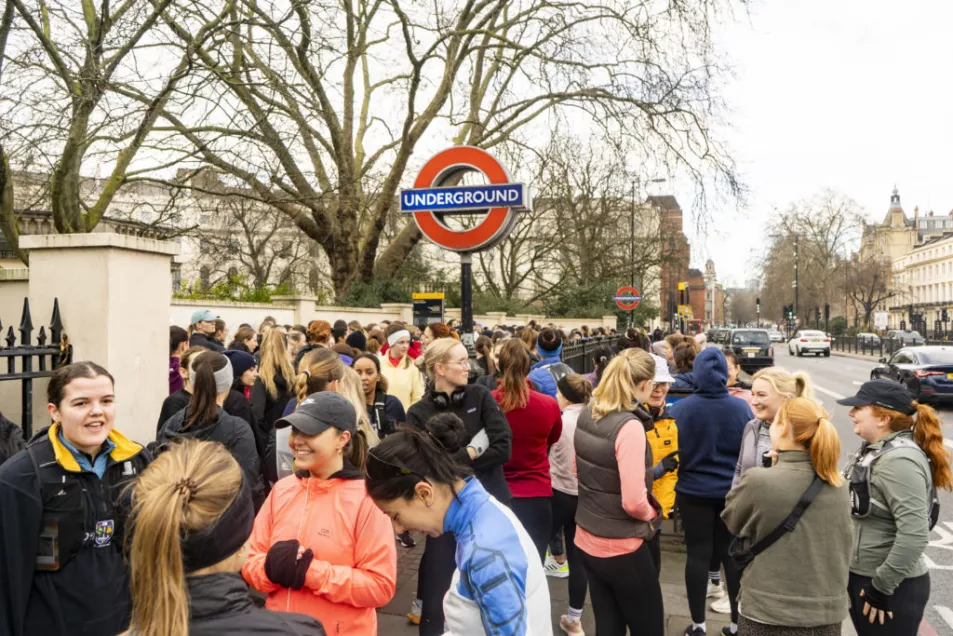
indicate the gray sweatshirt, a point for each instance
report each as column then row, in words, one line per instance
column 801, row 580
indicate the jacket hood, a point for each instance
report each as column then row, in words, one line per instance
column 213, row 594
column 550, row 356
column 123, row 448
column 173, row 428
column 348, row 472
column 711, row 372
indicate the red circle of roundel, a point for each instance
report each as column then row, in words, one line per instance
column 496, row 219
column 628, row 290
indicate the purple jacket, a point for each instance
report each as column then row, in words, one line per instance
column 176, row 383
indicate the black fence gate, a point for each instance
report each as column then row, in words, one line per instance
column 48, row 358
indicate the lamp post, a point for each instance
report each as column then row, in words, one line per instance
column 636, row 183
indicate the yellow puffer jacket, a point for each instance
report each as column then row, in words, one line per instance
column 663, row 440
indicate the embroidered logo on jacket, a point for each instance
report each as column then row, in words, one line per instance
column 104, row 533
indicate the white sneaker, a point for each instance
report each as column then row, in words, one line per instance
column 715, row 591
column 722, row 605
column 555, row 569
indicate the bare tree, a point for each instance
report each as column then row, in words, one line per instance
column 62, row 65
column 309, row 103
column 869, row 283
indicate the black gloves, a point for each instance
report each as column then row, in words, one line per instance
column 669, row 462
column 283, row 566
column 875, row 598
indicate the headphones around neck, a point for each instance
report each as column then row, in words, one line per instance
column 443, row 401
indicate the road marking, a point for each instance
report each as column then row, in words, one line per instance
column 856, row 383
column 945, row 613
column 946, row 441
column 836, row 396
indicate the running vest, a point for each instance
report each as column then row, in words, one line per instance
column 600, row 511
column 858, row 475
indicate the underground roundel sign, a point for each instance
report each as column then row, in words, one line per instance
column 434, row 196
column 627, row 298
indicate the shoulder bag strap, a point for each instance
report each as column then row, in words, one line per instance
column 788, row 524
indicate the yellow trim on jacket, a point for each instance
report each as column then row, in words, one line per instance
column 125, row 449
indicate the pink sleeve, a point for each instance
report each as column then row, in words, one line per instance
column 630, row 453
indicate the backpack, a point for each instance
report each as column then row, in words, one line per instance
column 558, row 370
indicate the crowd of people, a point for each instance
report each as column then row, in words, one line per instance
column 289, row 467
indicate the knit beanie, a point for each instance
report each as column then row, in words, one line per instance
column 357, row 340
column 241, row 361
column 549, row 340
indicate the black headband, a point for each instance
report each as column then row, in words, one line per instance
column 223, row 538
column 568, row 392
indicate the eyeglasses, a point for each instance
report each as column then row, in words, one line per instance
column 463, row 364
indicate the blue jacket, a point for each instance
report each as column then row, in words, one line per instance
column 684, row 381
column 499, row 586
column 710, row 426
column 542, row 377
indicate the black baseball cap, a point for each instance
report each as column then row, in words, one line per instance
column 319, row 412
column 884, row 393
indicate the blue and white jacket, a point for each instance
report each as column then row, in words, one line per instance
column 499, row 587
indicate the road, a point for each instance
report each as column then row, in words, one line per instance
column 839, row 376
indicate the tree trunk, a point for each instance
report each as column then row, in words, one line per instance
column 395, row 254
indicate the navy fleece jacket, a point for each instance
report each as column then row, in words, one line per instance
column 710, row 425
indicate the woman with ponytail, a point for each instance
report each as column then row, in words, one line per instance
column 192, row 514
column 536, row 424
column 205, row 419
column 893, row 480
column 600, row 360
column 498, row 585
column 320, row 546
column 810, row 597
column 771, row 388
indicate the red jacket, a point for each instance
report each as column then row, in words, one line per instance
column 355, row 561
column 536, row 427
column 415, row 351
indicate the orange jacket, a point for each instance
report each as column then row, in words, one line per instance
column 355, row 561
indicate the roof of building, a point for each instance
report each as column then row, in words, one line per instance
column 665, row 201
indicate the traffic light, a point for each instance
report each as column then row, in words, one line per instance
column 946, row 316
column 817, row 312
column 827, row 312
column 757, row 304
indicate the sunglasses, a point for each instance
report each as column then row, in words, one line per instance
column 380, row 469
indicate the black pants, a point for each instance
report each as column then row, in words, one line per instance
column 434, row 576
column 564, row 521
column 706, row 535
column 625, row 592
column 655, row 549
column 907, row 604
column 536, row 515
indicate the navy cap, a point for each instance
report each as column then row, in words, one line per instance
column 884, row 393
column 319, row 412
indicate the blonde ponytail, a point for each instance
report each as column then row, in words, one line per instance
column 812, row 429
column 802, row 385
column 186, row 489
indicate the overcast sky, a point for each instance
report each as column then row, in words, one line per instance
column 844, row 94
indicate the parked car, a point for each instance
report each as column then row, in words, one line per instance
column 810, row 341
column 753, row 348
column 869, row 340
column 776, row 336
column 926, row 371
column 906, row 338
column 719, row 336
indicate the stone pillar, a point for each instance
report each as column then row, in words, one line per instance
column 610, row 322
column 403, row 312
column 114, row 293
column 304, row 307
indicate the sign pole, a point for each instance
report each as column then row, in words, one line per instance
column 466, row 298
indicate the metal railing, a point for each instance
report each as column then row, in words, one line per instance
column 579, row 356
column 884, row 347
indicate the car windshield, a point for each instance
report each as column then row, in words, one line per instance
column 750, row 338
column 936, row 356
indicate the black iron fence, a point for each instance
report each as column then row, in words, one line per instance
column 579, row 356
column 36, row 360
column 881, row 347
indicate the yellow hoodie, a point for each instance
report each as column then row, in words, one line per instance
column 664, row 439
column 403, row 381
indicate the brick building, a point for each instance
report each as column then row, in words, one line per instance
column 676, row 256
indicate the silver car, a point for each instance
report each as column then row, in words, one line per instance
column 810, row 341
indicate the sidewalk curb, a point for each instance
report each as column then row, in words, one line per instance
column 856, row 356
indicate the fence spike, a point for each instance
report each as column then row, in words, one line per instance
column 26, row 324
column 11, row 338
column 56, row 323
column 41, row 337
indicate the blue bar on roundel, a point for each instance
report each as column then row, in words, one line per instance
column 463, row 198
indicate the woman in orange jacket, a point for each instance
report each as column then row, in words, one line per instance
column 320, row 546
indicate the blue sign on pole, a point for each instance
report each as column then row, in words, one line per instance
column 463, row 198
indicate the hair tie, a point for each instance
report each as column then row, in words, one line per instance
column 307, row 373
column 186, row 487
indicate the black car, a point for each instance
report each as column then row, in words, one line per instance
column 753, row 348
column 927, row 372
column 719, row 336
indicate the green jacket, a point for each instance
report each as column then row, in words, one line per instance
column 800, row 580
column 889, row 543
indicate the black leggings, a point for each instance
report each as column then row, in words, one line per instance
column 908, row 602
column 435, row 573
column 564, row 520
column 706, row 535
column 625, row 592
column 536, row 515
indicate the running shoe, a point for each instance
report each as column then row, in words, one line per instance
column 715, row 591
column 722, row 606
column 414, row 614
column 406, row 539
column 726, row 631
column 691, row 630
column 571, row 627
column 556, row 569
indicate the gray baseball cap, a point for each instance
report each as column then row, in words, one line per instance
column 319, row 412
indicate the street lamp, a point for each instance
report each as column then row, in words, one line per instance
column 635, row 187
